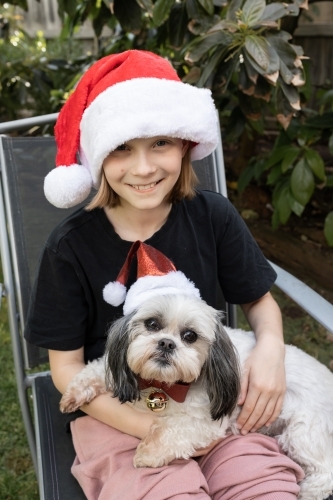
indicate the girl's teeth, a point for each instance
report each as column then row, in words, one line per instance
column 142, row 188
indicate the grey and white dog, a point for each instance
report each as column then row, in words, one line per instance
column 174, row 338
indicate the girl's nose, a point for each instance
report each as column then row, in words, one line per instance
column 143, row 164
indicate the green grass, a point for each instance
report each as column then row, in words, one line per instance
column 17, row 477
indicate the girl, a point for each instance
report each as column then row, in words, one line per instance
column 136, row 127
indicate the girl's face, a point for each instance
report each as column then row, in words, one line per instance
column 143, row 171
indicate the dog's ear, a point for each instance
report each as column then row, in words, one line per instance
column 222, row 374
column 119, row 377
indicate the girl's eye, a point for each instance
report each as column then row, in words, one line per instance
column 189, row 336
column 152, row 325
column 122, row 147
column 161, row 143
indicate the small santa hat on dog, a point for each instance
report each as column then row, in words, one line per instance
column 134, row 94
column 156, row 275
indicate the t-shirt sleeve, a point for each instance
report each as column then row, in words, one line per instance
column 245, row 275
column 58, row 312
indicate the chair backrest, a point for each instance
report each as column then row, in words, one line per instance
column 25, row 162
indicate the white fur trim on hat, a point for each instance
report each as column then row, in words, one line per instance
column 147, row 107
column 114, row 293
column 148, row 287
column 65, row 187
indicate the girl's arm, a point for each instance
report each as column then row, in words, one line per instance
column 263, row 384
column 66, row 364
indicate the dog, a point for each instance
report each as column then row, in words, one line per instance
column 178, row 340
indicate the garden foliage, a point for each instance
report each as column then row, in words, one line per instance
column 237, row 48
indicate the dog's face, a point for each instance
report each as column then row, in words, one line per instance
column 173, row 338
column 169, row 339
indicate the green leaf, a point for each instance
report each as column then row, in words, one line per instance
column 233, row 7
column 128, row 14
column 321, row 121
column 291, row 94
column 296, row 207
column 161, row 11
column 274, row 11
column 330, row 144
column 194, row 9
column 282, row 205
column 257, row 49
column 329, row 181
column 208, row 6
column 252, row 11
column 316, row 163
column 289, row 157
column 205, row 43
column 302, row 182
column 276, row 155
column 285, row 72
column 177, row 25
column 213, row 62
column 274, row 60
column 283, row 48
column 245, row 178
column 328, row 229
column 274, row 175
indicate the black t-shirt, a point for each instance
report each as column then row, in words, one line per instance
column 204, row 237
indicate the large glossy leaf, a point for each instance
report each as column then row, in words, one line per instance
column 290, row 156
column 194, row 9
column 210, row 67
column 315, row 162
column 302, row 182
column 291, row 94
column 208, row 6
column 161, row 11
column 286, row 73
column 328, row 228
column 274, row 60
column 205, row 43
column 203, row 25
column 282, row 204
column 252, row 11
column 321, row 121
column 274, row 11
column 284, row 49
column 257, row 48
column 251, row 70
column 128, row 14
column 296, row 207
column 233, row 7
column 177, row 25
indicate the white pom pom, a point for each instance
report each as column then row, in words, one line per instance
column 66, row 187
column 114, row 293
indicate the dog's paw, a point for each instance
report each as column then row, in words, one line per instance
column 148, row 455
column 74, row 397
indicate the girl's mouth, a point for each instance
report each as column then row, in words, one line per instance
column 145, row 187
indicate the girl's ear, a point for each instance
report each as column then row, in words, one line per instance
column 119, row 377
column 222, row 374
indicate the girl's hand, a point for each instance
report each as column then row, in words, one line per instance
column 263, row 385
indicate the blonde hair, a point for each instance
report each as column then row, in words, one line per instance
column 184, row 187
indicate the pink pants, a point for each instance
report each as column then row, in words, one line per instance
column 238, row 468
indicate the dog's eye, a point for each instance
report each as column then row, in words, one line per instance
column 152, row 324
column 189, row 336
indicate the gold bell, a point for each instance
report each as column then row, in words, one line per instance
column 157, row 401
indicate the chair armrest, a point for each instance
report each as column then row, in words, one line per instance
column 315, row 305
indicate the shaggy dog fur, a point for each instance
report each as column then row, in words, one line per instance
column 181, row 338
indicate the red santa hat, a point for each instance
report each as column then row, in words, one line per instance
column 134, row 94
column 156, row 275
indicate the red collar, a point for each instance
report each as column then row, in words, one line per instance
column 177, row 391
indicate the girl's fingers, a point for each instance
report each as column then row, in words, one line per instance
column 249, row 406
column 277, row 410
column 267, row 415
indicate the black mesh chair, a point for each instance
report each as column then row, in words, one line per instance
column 26, row 219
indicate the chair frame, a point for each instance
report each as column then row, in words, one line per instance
column 304, row 296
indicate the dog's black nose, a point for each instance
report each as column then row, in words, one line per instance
column 166, row 345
